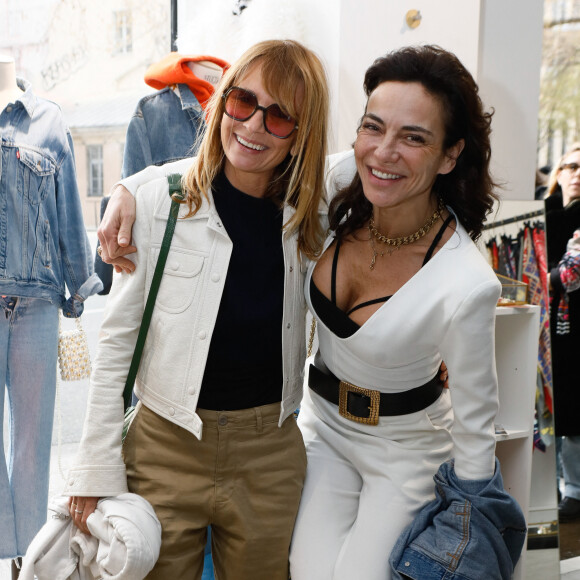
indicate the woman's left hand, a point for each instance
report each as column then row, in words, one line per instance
column 80, row 508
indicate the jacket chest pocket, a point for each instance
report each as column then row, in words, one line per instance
column 180, row 279
column 35, row 175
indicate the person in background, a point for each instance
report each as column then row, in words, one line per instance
column 214, row 440
column 562, row 206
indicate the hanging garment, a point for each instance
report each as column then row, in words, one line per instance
column 174, row 69
column 537, row 295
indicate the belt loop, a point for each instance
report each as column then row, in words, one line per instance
column 258, row 419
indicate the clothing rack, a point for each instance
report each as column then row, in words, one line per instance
column 517, row 218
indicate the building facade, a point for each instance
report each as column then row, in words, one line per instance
column 559, row 125
column 90, row 58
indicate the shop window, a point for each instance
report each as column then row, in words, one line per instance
column 123, row 32
column 95, row 170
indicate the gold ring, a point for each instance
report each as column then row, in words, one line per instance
column 100, row 251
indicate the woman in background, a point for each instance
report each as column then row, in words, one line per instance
column 562, row 219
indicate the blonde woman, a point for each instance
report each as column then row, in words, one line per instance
column 214, row 441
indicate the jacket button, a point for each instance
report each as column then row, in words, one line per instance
column 407, row 564
column 215, row 277
column 201, row 335
column 223, row 421
column 288, row 325
column 174, row 265
column 192, row 391
column 171, row 411
column 9, row 109
column 291, row 268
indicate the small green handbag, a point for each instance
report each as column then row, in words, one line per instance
column 176, row 193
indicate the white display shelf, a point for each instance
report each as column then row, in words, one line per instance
column 516, row 351
column 510, row 433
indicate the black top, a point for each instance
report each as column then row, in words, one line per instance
column 244, row 364
column 338, row 321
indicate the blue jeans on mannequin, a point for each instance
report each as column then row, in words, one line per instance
column 28, row 355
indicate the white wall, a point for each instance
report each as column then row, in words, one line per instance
column 499, row 42
column 371, row 28
column 509, row 80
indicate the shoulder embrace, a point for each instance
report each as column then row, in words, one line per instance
column 150, row 197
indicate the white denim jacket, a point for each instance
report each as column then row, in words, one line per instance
column 178, row 340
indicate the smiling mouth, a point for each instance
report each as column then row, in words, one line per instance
column 382, row 175
column 249, row 145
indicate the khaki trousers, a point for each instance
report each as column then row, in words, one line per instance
column 244, row 478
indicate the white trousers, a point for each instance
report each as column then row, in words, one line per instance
column 364, row 484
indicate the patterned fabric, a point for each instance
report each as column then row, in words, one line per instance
column 569, row 267
column 534, row 256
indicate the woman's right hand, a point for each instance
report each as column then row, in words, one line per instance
column 80, row 508
column 114, row 231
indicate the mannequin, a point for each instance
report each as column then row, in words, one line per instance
column 45, row 258
column 9, row 90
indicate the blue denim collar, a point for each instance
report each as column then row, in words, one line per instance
column 188, row 99
column 27, row 98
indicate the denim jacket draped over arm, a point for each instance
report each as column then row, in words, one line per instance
column 473, row 529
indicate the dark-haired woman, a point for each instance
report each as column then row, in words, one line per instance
column 400, row 286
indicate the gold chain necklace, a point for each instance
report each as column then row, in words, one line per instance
column 396, row 243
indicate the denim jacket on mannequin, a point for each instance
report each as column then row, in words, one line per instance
column 471, row 530
column 43, row 241
column 164, row 128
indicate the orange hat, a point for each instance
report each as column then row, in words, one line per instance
column 173, row 69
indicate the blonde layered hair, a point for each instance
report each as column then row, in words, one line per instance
column 285, row 65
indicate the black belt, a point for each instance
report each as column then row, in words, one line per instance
column 366, row 405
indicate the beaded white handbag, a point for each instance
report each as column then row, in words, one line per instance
column 73, row 353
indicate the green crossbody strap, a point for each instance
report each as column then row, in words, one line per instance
column 174, row 189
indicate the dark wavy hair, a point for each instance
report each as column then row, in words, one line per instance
column 468, row 188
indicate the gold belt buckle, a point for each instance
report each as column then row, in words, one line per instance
column 374, row 397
